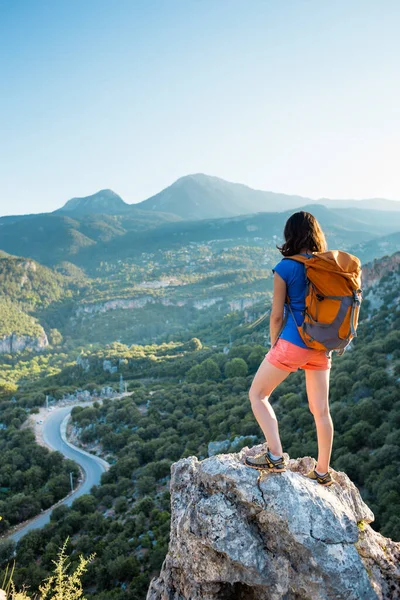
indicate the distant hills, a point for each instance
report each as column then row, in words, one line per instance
column 253, row 229
column 51, row 238
column 196, row 208
column 378, row 247
column 200, row 196
column 88, row 239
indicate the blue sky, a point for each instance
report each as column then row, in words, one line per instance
column 294, row 96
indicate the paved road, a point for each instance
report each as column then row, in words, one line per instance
column 93, row 466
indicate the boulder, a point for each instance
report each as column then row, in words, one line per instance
column 242, row 534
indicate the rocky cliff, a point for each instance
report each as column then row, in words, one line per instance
column 130, row 303
column 372, row 272
column 17, row 343
column 241, row 534
column 381, row 282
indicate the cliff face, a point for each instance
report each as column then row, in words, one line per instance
column 241, row 534
column 376, row 289
column 17, row 343
column 130, row 303
column 372, row 272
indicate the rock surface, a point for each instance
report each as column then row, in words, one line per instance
column 373, row 271
column 242, row 534
column 12, row 343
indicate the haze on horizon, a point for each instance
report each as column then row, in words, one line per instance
column 294, row 97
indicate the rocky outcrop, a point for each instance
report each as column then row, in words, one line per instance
column 375, row 288
column 242, row 303
column 9, row 344
column 372, row 272
column 83, row 362
column 241, row 534
column 115, row 304
column 129, row 303
column 161, row 283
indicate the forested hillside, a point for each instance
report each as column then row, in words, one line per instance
column 88, row 239
column 14, row 321
column 27, row 289
column 29, row 283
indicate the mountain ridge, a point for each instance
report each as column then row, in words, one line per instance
column 199, row 196
column 90, row 238
column 104, row 201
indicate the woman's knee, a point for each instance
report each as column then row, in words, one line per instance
column 320, row 412
column 256, row 395
column 253, row 395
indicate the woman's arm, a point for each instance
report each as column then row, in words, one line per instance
column 278, row 301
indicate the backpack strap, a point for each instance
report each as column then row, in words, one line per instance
column 303, row 258
column 290, row 308
column 356, row 302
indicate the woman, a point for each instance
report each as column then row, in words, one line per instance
column 303, row 235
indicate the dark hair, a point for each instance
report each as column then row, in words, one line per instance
column 302, row 230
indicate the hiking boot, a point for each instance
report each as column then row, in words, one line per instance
column 324, row 480
column 264, row 461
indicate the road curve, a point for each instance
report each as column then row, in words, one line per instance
column 93, row 466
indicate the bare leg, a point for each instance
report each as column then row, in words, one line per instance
column 265, row 381
column 317, row 385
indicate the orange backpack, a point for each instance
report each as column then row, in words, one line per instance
column 333, row 299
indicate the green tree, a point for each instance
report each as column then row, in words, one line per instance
column 209, row 370
column 55, row 337
column 7, row 549
column 237, row 367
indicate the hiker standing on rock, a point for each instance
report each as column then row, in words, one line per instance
column 321, row 289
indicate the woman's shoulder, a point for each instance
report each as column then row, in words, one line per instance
column 288, row 262
column 289, row 269
column 292, row 260
column 285, row 266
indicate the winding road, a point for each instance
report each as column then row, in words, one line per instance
column 54, row 427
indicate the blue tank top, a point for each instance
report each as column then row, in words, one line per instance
column 293, row 273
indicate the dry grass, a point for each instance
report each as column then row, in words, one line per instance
column 61, row 585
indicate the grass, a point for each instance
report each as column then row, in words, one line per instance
column 61, row 585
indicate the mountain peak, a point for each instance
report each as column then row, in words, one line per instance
column 201, row 196
column 104, row 201
column 208, row 180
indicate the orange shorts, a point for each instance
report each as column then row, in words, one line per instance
column 289, row 357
